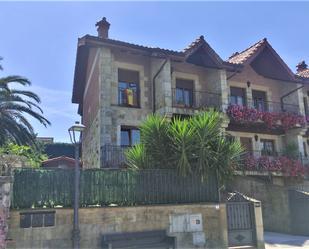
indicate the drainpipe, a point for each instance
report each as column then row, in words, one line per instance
column 287, row 94
column 154, row 86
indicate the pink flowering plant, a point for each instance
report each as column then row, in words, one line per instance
column 283, row 164
column 247, row 115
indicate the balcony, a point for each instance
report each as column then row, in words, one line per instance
column 195, row 99
column 273, row 115
column 113, row 156
column 289, row 164
column 277, row 107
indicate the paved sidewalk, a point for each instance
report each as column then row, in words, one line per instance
column 279, row 240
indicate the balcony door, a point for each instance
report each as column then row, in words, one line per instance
column 238, row 96
column 268, row 147
column 184, row 92
column 259, row 100
column 246, row 143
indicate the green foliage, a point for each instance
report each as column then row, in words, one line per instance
column 136, row 157
column 15, row 105
column 291, row 151
column 194, row 145
column 34, row 154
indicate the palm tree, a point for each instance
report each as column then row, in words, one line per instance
column 194, row 145
column 15, row 105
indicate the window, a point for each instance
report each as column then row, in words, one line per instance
column 129, row 136
column 268, row 147
column 37, row 219
column 238, row 96
column 184, row 92
column 259, row 100
column 128, row 88
column 246, row 143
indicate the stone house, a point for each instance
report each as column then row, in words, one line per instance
column 117, row 84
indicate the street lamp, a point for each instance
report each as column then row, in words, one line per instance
column 75, row 132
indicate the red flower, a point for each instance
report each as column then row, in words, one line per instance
column 282, row 164
column 243, row 114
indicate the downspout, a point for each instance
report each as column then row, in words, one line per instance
column 287, row 94
column 154, row 86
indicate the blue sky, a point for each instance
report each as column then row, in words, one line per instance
column 38, row 39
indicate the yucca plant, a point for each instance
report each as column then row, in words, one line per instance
column 194, row 145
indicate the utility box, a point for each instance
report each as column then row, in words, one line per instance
column 182, row 223
column 199, row 239
column 185, row 226
column 195, row 223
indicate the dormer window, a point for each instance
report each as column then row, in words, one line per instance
column 128, row 88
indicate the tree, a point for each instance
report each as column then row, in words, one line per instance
column 33, row 155
column 15, row 105
column 194, row 145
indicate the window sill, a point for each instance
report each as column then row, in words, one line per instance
column 184, row 106
column 128, row 106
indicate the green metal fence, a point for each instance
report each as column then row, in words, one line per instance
column 50, row 188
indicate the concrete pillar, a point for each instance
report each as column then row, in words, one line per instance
column 223, row 226
column 223, row 88
column 249, row 98
column 259, row 225
column 295, row 136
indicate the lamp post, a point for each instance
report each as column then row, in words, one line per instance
column 75, row 132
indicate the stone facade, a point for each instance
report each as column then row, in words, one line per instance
column 91, row 144
column 94, row 222
column 104, row 127
column 256, row 69
column 274, row 90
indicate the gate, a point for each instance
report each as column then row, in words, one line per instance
column 299, row 209
column 241, row 225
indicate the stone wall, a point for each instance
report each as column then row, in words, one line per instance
column 97, row 221
column 275, row 201
column 5, row 202
column 91, row 145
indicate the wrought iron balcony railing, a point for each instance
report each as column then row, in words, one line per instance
column 195, row 99
column 269, row 106
column 113, row 156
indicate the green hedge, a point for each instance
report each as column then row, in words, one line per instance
column 50, row 188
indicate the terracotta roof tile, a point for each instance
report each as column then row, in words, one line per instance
column 304, row 73
column 60, row 158
column 242, row 57
column 194, row 44
column 134, row 46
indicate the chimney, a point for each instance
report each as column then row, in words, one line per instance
column 103, row 27
column 301, row 66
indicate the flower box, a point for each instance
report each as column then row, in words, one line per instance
column 247, row 115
